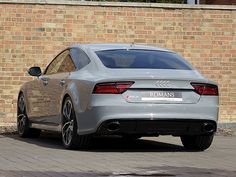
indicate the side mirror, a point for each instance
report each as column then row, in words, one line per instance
column 35, row 71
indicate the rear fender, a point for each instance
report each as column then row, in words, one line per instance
column 73, row 93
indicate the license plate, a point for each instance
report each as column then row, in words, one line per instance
column 162, row 96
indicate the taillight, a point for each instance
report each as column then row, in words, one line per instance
column 205, row 89
column 112, row 87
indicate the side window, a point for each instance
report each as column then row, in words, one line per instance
column 80, row 58
column 54, row 66
column 62, row 63
column 67, row 65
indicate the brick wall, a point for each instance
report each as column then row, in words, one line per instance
column 32, row 34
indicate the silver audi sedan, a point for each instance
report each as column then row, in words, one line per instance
column 119, row 89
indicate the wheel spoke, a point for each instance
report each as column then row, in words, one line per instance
column 21, row 105
column 69, row 135
column 67, row 109
column 67, row 132
column 66, row 136
column 71, row 125
column 65, row 126
column 21, row 122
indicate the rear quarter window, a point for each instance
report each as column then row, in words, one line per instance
column 80, row 58
column 146, row 59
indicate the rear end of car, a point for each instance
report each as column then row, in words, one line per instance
column 126, row 107
column 151, row 93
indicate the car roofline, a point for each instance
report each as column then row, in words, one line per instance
column 117, row 46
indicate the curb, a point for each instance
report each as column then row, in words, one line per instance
column 7, row 128
column 226, row 129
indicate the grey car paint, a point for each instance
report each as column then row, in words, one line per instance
column 44, row 102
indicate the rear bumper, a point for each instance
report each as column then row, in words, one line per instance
column 151, row 116
column 157, row 127
column 108, row 108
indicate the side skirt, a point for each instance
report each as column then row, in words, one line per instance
column 46, row 126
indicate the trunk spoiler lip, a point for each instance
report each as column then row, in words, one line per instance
column 162, row 89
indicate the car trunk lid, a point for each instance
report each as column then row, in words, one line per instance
column 158, row 86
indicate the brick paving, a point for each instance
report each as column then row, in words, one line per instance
column 113, row 157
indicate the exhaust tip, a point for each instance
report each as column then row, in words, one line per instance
column 113, row 126
column 208, row 127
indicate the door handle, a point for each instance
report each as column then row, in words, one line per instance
column 45, row 80
column 62, row 82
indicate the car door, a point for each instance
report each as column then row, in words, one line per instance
column 54, row 81
column 35, row 98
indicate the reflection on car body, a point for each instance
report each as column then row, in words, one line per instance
column 119, row 89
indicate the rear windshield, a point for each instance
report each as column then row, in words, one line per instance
column 150, row 59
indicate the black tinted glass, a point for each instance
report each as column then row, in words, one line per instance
column 80, row 58
column 150, row 59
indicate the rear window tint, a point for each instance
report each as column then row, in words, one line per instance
column 150, row 59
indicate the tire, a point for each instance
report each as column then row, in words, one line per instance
column 197, row 142
column 23, row 127
column 70, row 137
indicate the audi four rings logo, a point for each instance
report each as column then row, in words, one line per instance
column 163, row 83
